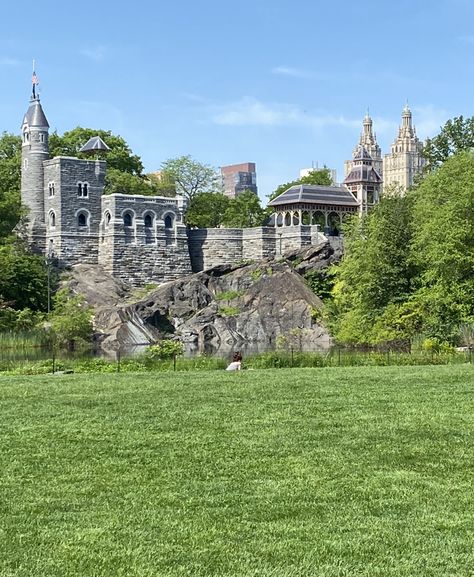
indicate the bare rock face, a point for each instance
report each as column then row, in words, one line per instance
column 221, row 308
column 224, row 308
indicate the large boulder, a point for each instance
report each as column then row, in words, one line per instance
column 222, row 308
column 253, row 306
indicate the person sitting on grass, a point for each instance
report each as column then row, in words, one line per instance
column 236, row 363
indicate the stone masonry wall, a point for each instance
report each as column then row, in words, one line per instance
column 71, row 239
column 215, row 246
column 143, row 239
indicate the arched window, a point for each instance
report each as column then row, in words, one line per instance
column 52, row 218
column 82, row 189
column 107, row 218
column 148, row 220
column 127, row 219
column 287, row 219
column 169, row 221
column 82, row 219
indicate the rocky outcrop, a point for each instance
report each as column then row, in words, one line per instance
column 224, row 308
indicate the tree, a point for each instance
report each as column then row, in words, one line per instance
column 119, row 157
column 71, row 320
column 443, row 245
column 244, row 211
column 10, row 163
column 126, row 183
column 162, row 183
column 375, row 272
column 124, row 169
column 455, row 136
column 320, row 176
column 23, row 278
column 207, row 210
column 191, row 177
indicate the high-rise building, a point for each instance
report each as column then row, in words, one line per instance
column 236, row 178
column 405, row 160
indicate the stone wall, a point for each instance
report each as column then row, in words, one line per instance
column 72, row 216
column 143, row 239
column 211, row 247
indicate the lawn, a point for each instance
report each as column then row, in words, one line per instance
column 363, row 471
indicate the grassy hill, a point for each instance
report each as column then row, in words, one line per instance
column 331, row 472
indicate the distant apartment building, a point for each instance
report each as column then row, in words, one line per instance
column 237, row 178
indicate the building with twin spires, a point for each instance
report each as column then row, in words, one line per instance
column 405, row 159
column 401, row 165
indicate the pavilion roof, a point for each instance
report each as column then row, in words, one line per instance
column 315, row 194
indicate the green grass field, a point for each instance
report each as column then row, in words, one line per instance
column 364, row 471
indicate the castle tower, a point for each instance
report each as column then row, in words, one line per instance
column 405, row 160
column 363, row 180
column 34, row 152
column 368, row 140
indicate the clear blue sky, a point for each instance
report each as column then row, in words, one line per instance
column 277, row 82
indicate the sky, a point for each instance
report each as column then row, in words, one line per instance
column 281, row 83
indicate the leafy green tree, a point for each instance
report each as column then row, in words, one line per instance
column 162, row 183
column 126, row 183
column 71, row 320
column 10, row 163
column 119, row 157
column 244, row 211
column 320, row 176
column 207, row 210
column 455, row 136
column 23, row 278
column 443, row 245
column 375, row 272
column 124, row 169
column 191, row 177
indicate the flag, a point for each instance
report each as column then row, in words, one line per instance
column 35, row 82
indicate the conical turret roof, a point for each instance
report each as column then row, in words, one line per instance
column 35, row 115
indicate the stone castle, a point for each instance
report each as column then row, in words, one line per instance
column 143, row 239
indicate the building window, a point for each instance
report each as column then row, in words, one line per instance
column 82, row 219
column 148, row 220
column 127, row 219
column 41, row 137
column 25, row 164
column 169, row 220
column 82, row 189
column 52, row 219
column 107, row 218
column 51, row 188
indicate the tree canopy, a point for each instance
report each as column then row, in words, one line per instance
column 455, row 136
column 408, row 266
column 120, row 156
column 321, row 176
column 10, row 165
column 244, row 211
column 191, row 177
column 207, row 210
